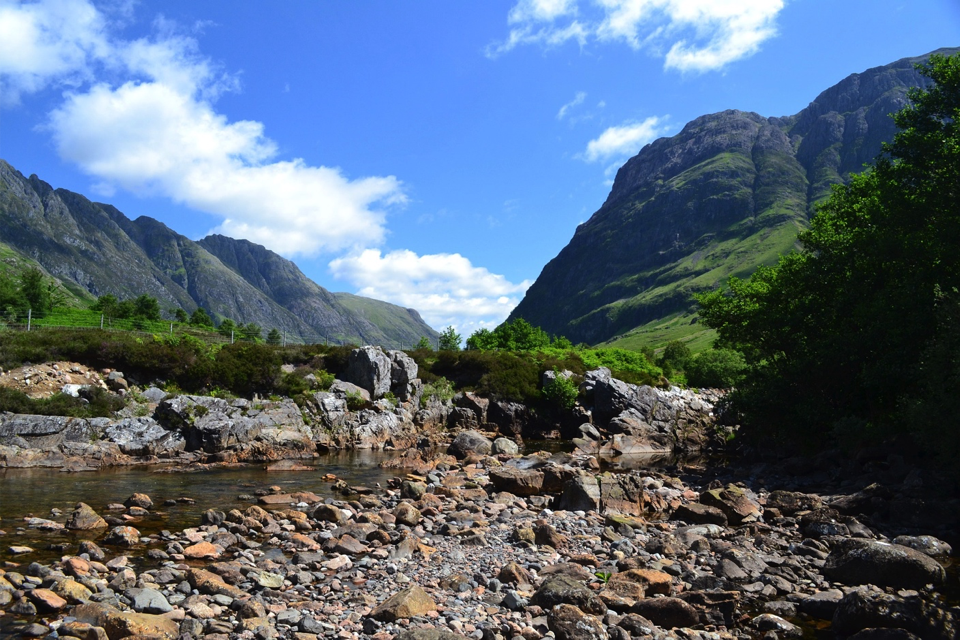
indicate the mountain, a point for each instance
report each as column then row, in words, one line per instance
column 725, row 195
column 94, row 249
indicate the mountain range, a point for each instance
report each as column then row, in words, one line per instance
column 728, row 193
column 93, row 249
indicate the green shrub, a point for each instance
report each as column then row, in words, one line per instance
column 717, row 368
column 440, row 389
column 355, row 401
column 100, row 404
column 560, row 393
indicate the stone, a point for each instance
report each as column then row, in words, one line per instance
column 119, row 624
column 72, row 591
column 736, row 503
column 46, row 600
column 141, row 500
column 212, row 584
column 669, row 613
column 201, row 550
column 467, row 443
column 369, row 368
column 821, row 605
column 84, row 517
column 429, row 634
column 928, row 545
column 570, row 623
column 697, row 513
column 269, row 580
column 857, row 562
column 867, row 608
column 407, row 514
column 147, row 600
column 403, row 375
column 122, row 536
column 654, row 582
column 504, row 446
column 410, row 602
column 770, row 622
column 562, row 589
column 520, row 482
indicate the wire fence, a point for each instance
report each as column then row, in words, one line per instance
column 85, row 320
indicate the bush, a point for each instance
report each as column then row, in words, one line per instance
column 100, row 404
column 560, row 393
column 718, row 368
column 440, row 389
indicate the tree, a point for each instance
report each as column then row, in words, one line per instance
column 181, row 316
column 37, row 293
column 838, row 338
column 200, row 318
column 274, row 337
column 675, row 356
column 227, row 328
column 107, row 305
column 449, row 340
column 146, row 307
column 423, row 343
column 251, row 332
column 517, row 335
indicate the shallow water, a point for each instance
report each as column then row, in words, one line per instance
column 35, row 492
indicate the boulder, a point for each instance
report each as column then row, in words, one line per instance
column 144, row 437
column 739, row 505
column 467, row 443
column 520, row 482
column 857, row 562
column 122, row 537
column 562, row 589
column 84, row 517
column 867, row 608
column 403, row 374
column 570, row 623
column 473, row 403
column 697, row 513
column 369, row 368
column 504, row 446
column 147, row 600
column 511, row 418
column 408, row 603
column 669, row 613
column 119, row 624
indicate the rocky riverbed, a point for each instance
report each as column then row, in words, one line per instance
column 484, row 543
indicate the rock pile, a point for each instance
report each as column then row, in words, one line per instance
column 494, row 548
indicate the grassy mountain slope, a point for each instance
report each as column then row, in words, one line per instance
column 726, row 194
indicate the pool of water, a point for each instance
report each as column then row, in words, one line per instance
column 35, row 492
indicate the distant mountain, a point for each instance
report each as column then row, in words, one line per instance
column 94, row 249
column 725, row 195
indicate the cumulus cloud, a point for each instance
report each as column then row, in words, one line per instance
column 156, row 130
column 47, row 42
column 578, row 99
column 697, row 35
column 445, row 288
column 626, row 139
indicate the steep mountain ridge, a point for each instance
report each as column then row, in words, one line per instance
column 95, row 249
column 725, row 195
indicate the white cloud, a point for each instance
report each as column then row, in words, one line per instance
column 149, row 138
column 698, row 35
column 626, row 139
column 578, row 99
column 52, row 41
column 155, row 130
column 445, row 288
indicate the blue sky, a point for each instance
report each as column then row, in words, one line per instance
column 433, row 154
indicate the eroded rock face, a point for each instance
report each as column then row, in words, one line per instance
column 370, row 368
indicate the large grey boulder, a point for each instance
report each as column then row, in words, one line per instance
column 858, row 562
column 868, row 608
column 403, row 375
column 467, row 443
column 332, row 408
column 369, row 368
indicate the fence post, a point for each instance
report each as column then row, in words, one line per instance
column 101, row 322
column 29, row 318
column 171, row 328
column 231, row 337
column 285, row 337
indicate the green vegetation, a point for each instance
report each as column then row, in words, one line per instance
column 440, row 389
column 449, row 340
column 96, row 404
column 560, row 392
column 855, row 337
